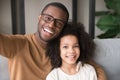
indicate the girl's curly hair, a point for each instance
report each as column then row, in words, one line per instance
column 86, row 44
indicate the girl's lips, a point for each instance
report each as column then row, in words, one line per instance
column 71, row 56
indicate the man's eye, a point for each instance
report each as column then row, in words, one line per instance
column 59, row 23
column 48, row 18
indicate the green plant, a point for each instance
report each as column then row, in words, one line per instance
column 109, row 21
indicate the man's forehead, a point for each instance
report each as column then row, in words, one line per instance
column 56, row 12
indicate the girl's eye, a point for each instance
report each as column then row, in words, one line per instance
column 76, row 46
column 65, row 46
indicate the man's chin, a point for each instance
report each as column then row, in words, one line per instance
column 46, row 40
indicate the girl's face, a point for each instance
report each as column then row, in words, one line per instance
column 69, row 49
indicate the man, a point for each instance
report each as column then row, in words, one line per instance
column 26, row 53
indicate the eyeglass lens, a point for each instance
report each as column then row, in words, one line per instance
column 48, row 18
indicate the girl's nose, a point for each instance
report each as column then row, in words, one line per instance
column 71, row 50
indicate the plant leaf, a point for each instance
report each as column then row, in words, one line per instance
column 99, row 13
column 110, row 4
column 109, row 34
column 107, row 22
column 114, row 5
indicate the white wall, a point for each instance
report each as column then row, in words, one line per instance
column 83, row 12
column 5, row 17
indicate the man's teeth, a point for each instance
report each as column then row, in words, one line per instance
column 48, row 31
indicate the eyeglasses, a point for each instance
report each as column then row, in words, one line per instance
column 48, row 18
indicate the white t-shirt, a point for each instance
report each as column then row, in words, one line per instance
column 86, row 72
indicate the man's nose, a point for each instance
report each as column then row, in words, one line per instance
column 52, row 24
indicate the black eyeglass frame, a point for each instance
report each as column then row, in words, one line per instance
column 58, row 22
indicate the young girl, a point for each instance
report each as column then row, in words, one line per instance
column 69, row 54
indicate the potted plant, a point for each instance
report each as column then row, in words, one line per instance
column 109, row 21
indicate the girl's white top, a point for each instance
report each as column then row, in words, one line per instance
column 86, row 72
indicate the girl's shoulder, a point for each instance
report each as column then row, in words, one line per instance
column 53, row 74
column 85, row 67
column 88, row 66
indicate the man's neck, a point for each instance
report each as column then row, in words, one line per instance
column 41, row 42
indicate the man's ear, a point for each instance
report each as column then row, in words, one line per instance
column 39, row 17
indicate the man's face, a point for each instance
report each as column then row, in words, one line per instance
column 51, row 22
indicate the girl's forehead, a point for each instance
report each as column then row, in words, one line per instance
column 68, row 35
column 68, row 38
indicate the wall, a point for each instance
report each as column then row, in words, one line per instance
column 5, row 17
column 83, row 12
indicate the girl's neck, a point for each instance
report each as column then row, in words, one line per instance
column 69, row 69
